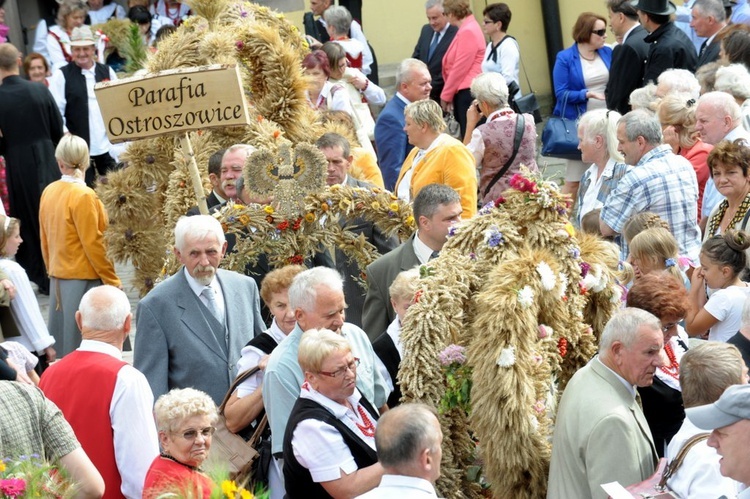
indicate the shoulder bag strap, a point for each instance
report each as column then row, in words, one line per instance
column 258, row 431
column 237, row 382
column 520, row 124
column 520, row 59
column 677, row 461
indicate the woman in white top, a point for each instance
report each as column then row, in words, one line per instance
column 502, row 54
column 24, row 308
column 71, row 14
column 101, row 11
column 722, row 259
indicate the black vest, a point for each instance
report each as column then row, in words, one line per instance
column 386, row 350
column 77, row 98
column 297, row 478
column 266, row 344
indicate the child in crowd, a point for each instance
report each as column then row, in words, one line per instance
column 24, row 308
column 654, row 250
column 722, row 260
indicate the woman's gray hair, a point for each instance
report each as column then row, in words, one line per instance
column 304, row 289
column 179, row 404
column 642, row 123
column 316, row 345
column 426, row 112
column 624, row 325
column 67, row 7
column 104, row 308
column 644, row 98
column 338, row 18
column 602, row 123
column 198, row 226
column 491, row 89
column 679, row 80
column 734, row 80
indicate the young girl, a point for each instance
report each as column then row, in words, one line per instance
column 722, row 260
column 655, row 249
column 24, row 307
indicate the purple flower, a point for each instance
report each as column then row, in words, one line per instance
column 452, row 354
column 585, row 267
column 452, row 231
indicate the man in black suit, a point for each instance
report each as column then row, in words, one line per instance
column 217, row 195
column 337, row 151
column 628, row 57
column 434, row 40
column 708, row 19
column 436, row 208
column 31, row 126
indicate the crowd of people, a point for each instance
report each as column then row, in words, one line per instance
column 663, row 128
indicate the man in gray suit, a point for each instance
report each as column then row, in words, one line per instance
column 436, row 208
column 601, row 434
column 337, row 151
column 191, row 328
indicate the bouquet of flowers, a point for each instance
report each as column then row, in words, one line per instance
column 457, row 379
column 32, row 476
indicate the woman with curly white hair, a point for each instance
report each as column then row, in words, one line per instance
column 735, row 80
column 185, row 419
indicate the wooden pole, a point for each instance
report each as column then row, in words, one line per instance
column 187, row 149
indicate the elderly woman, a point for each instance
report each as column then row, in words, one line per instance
column 338, row 24
column 492, row 144
column 329, row 444
column 185, row 419
column 71, row 14
column 666, row 298
column 36, row 68
column 462, row 61
column 735, row 80
column 436, row 157
column 388, row 346
column 729, row 164
column 597, row 141
column 676, row 113
column 580, row 76
column 72, row 223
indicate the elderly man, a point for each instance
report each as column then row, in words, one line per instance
column 412, row 84
column 106, row 400
column 408, row 439
column 729, row 418
column 30, row 127
column 601, row 434
column 436, row 208
column 718, row 117
column 434, row 40
column 32, row 424
column 336, row 150
column 669, row 47
column 72, row 86
column 232, row 165
column 708, row 19
column 705, row 372
column 217, row 195
column 192, row 326
column 661, row 182
column 317, row 297
column 626, row 71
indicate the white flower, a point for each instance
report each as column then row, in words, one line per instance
column 526, row 297
column 616, row 294
column 547, row 276
column 596, row 280
column 534, row 424
column 507, row 357
column 563, row 287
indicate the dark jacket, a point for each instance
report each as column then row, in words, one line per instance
column 670, row 48
column 626, row 72
column 434, row 63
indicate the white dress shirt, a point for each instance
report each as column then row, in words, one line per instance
column 421, row 250
column 98, row 141
column 198, row 288
column 25, row 310
column 401, row 486
column 250, row 357
column 131, row 412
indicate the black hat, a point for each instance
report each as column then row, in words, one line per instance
column 656, row 7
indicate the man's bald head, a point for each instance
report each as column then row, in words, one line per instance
column 9, row 56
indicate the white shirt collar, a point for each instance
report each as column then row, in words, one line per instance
column 100, row 347
column 219, row 198
column 625, row 382
column 198, row 287
column 73, row 180
column 338, row 410
column 422, row 251
column 275, row 332
column 411, row 482
column 401, row 96
column 628, row 33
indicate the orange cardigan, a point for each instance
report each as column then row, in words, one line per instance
column 449, row 163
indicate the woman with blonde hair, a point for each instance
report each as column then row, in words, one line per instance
column 655, row 250
column 676, row 113
column 72, row 222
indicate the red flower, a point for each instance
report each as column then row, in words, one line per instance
column 296, row 260
column 521, row 183
column 562, row 346
column 297, row 224
column 499, row 201
column 283, row 225
column 12, row 487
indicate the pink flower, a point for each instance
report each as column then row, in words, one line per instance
column 12, row 487
column 451, row 354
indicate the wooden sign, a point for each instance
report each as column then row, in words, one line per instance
column 177, row 100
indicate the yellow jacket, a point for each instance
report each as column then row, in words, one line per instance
column 449, row 162
column 72, row 222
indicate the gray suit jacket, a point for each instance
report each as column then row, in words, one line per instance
column 601, row 436
column 378, row 311
column 175, row 347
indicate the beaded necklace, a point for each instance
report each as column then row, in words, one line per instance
column 739, row 215
column 368, row 428
column 673, row 369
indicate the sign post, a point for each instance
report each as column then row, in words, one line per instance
column 174, row 102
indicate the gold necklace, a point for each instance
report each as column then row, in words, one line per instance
column 586, row 58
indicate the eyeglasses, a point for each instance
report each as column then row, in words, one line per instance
column 352, row 366
column 489, row 21
column 193, row 434
column 666, row 328
column 600, row 32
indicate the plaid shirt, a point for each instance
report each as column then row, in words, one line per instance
column 662, row 183
column 32, row 424
column 610, row 177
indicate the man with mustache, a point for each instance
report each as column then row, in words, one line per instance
column 192, row 327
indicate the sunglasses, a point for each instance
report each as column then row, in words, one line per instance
column 600, row 32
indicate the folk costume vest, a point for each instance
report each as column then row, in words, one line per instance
column 77, row 98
